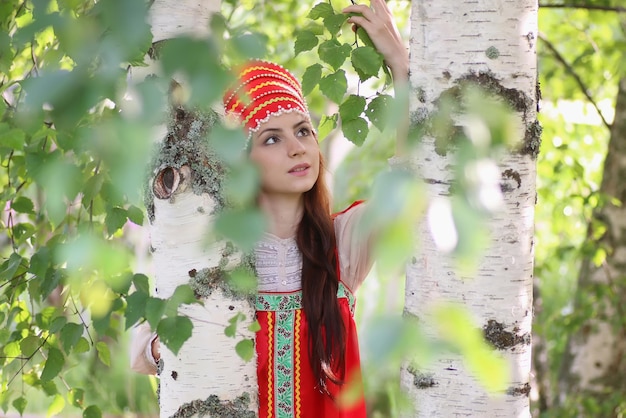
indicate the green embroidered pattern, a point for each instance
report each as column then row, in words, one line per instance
column 285, row 306
column 293, row 300
column 283, row 365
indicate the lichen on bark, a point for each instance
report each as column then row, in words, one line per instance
column 422, row 380
column 213, row 407
column 439, row 122
column 502, row 339
column 186, row 143
column 205, row 281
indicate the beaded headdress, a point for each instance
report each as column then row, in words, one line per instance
column 263, row 89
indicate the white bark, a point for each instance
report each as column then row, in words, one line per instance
column 184, row 17
column 449, row 41
column 593, row 360
column 207, row 364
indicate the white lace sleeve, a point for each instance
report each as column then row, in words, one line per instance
column 141, row 359
column 353, row 246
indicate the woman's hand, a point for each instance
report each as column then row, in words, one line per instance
column 155, row 348
column 378, row 22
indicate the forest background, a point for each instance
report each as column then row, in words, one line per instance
column 581, row 63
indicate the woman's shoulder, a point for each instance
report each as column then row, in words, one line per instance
column 355, row 204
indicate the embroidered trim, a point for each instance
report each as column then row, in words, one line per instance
column 283, row 363
column 292, row 301
column 270, row 386
column 296, row 377
column 267, row 103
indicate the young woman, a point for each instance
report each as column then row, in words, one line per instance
column 309, row 260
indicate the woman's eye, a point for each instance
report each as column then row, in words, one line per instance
column 304, row 132
column 271, row 140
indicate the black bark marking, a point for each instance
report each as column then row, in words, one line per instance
column 532, row 140
column 507, row 175
column 523, row 390
column 174, row 374
column 501, row 339
column 216, row 408
column 439, row 122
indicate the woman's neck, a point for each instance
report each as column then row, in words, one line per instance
column 283, row 213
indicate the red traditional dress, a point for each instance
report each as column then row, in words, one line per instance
column 287, row 386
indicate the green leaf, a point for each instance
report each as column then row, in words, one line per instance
column 49, row 387
column 334, row 86
column 136, row 307
column 242, row 184
column 326, row 126
column 243, row 226
column 115, row 219
column 76, row 397
column 155, row 307
column 250, row 45
column 333, row 23
column 378, row 109
column 82, row 346
column 54, row 364
column 20, row 404
column 183, row 295
column 456, row 326
column 29, row 345
column 174, row 331
column 305, row 41
column 351, row 108
column 199, row 62
column 9, row 267
column 57, row 405
column 311, row 78
column 242, row 281
column 12, row 350
column 23, row 205
column 333, row 52
column 355, row 130
column 39, row 262
column 231, row 329
column 321, row 10
column 70, row 334
column 142, row 283
column 364, row 37
column 13, row 138
column 254, row 326
column 92, row 411
column 135, row 215
column 366, row 61
column 57, row 323
column 245, row 349
column 104, row 354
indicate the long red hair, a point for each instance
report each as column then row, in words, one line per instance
column 316, row 240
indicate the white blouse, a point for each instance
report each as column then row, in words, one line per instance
column 278, row 261
column 279, row 266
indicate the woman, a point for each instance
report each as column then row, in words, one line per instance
column 308, row 260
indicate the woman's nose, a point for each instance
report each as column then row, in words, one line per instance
column 296, row 146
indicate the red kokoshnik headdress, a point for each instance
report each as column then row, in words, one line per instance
column 263, row 89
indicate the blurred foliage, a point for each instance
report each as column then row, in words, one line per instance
column 74, row 151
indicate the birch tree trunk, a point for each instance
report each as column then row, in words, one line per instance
column 206, row 377
column 593, row 363
column 490, row 43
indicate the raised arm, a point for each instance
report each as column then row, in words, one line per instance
column 379, row 24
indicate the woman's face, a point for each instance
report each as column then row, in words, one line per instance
column 286, row 151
